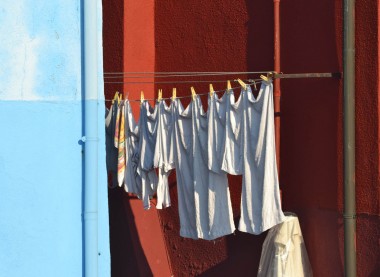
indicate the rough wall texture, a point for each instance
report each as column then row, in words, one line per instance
column 212, row 36
column 367, row 138
column 311, row 131
column 225, row 36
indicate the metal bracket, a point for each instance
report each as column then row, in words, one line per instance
column 349, row 216
column 84, row 139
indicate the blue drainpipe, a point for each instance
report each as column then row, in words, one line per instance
column 90, row 213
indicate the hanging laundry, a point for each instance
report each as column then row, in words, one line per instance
column 250, row 130
column 132, row 180
column 117, row 127
column 233, row 147
column 212, row 199
column 162, row 154
column 111, row 150
column 235, row 137
column 194, row 180
column 121, row 148
column 182, row 153
column 147, row 141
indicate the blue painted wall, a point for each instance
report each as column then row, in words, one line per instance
column 41, row 124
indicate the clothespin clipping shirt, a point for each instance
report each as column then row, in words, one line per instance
column 228, row 85
column 211, row 90
column 244, row 86
column 115, row 97
column 159, row 95
column 268, row 77
column 193, row 94
column 174, row 94
column 141, row 97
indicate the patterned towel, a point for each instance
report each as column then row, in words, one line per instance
column 121, row 149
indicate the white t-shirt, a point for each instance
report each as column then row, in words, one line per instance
column 132, row 180
column 202, row 214
column 147, row 140
column 250, row 151
column 232, row 161
column 138, row 180
column 219, row 201
column 182, row 152
column 162, row 154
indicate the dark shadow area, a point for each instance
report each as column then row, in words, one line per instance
column 127, row 256
column 244, row 252
column 123, row 258
column 311, row 128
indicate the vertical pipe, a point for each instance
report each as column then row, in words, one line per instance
column 349, row 137
column 277, row 89
column 90, row 213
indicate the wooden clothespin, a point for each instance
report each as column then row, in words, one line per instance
column 265, row 78
column 193, row 93
column 120, row 98
column 159, row 95
column 174, row 94
column 244, row 86
column 115, row 97
column 211, row 90
column 228, row 85
column 141, row 97
column 254, row 84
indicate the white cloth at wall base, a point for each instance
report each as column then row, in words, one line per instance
column 284, row 253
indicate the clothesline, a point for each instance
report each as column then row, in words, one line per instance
column 168, row 82
column 189, row 73
column 231, row 137
column 270, row 74
column 252, row 82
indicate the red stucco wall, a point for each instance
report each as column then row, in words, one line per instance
column 212, row 36
column 238, row 36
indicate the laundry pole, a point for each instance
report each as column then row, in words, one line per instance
column 90, row 213
column 277, row 88
column 349, row 213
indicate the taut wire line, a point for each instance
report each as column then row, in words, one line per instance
column 188, row 96
column 189, row 73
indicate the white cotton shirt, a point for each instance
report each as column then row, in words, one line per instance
column 202, row 215
column 162, row 153
column 147, row 139
column 137, row 180
column 219, row 201
column 132, row 179
column 181, row 151
column 250, row 151
column 232, row 161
